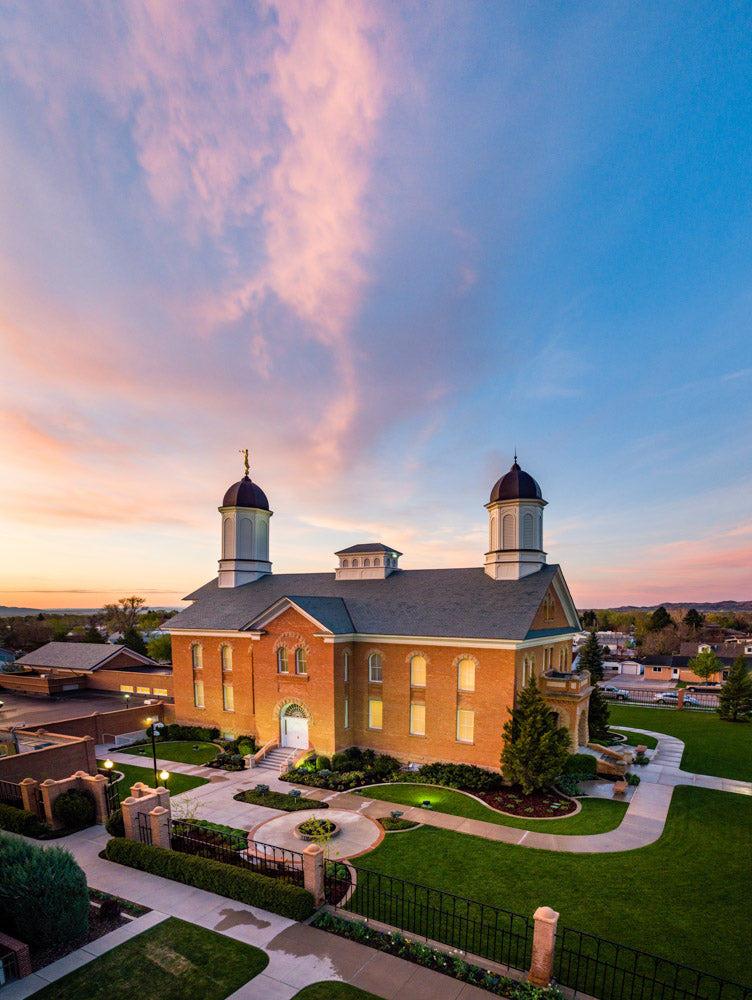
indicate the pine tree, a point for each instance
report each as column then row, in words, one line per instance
column 735, row 699
column 693, row 619
column 535, row 747
column 598, row 715
column 659, row 619
column 591, row 658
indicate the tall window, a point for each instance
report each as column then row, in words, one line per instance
column 366, row 562
column 301, row 664
column 197, row 656
column 226, row 659
column 418, row 671
column 228, row 698
column 374, row 668
column 347, row 713
column 346, row 664
column 198, row 681
column 198, row 691
column 466, row 675
column 282, row 664
column 465, row 725
column 418, row 720
column 375, row 710
column 507, row 529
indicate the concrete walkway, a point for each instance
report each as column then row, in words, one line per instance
column 298, row 954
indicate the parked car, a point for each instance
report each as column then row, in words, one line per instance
column 673, row 696
column 713, row 687
column 619, row 694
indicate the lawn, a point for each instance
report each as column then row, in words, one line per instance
column 687, row 897
column 172, row 961
column 181, row 751
column 711, row 746
column 176, row 783
column 334, row 991
column 636, row 739
column 596, row 816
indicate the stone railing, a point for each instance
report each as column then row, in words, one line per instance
column 260, row 754
column 558, row 682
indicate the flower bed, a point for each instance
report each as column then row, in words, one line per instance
column 316, row 829
column 537, row 805
column 395, row 943
column 278, row 800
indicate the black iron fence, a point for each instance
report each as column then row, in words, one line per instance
column 464, row 924
column 695, row 701
column 143, row 826
column 589, row 965
column 112, row 796
column 10, row 794
column 607, row 970
column 234, row 849
column 8, row 968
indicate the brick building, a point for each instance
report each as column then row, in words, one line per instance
column 421, row 664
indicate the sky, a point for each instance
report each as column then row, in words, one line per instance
column 381, row 245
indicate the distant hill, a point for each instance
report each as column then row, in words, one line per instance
column 703, row 606
column 6, row 612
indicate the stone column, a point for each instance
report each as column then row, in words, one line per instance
column 160, row 827
column 313, row 872
column 96, row 784
column 680, row 700
column 49, row 790
column 544, row 939
column 28, row 787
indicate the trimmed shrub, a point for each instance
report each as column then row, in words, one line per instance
column 341, row 762
column 226, row 880
column 21, row 821
column 43, row 894
column 581, row 763
column 323, row 764
column 114, row 824
column 75, row 809
column 466, row 776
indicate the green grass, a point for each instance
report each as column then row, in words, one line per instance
column 596, row 816
column 176, row 783
column 711, row 746
column 334, row 991
column 181, row 751
column 688, row 897
column 278, row 800
column 636, row 739
column 172, row 961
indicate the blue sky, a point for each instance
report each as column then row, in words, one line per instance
column 381, row 246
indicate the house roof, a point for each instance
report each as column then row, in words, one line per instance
column 77, row 656
column 368, row 547
column 444, row 603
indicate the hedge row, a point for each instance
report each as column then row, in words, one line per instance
column 21, row 821
column 225, row 880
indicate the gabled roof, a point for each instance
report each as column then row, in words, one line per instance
column 78, row 656
column 443, row 603
column 367, row 547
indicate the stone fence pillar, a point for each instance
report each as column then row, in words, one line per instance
column 160, row 826
column 28, row 794
column 313, row 872
column 96, row 784
column 544, row 940
column 154, row 803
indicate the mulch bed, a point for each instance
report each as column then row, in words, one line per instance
column 538, row 805
column 98, row 927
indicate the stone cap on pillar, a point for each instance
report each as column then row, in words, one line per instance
column 546, row 914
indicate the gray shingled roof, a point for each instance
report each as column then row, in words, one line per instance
column 75, row 655
column 368, row 547
column 461, row 603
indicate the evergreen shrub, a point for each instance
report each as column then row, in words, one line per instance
column 114, row 824
column 21, row 821
column 44, row 900
column 323, row 764
column 287, row 900
column 75, row 809
column 581, row 764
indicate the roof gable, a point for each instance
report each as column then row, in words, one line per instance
column 88, row 656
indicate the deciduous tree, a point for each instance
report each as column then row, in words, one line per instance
column 125, row 615
column 705, row 664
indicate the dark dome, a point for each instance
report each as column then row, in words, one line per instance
column 516, row 485
column 246, row 494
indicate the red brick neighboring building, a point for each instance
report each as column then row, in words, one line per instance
column 422, row 664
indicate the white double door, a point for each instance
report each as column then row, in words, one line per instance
column 294, row 732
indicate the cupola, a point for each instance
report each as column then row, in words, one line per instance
column 245, row 533
column 368, row 561
column 515, row 526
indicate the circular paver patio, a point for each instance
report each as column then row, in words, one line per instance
column 357, row 833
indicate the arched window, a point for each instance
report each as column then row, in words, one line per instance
column 355, row 562
column 366, row 562
column 197, row 656
column 282, row 663
column 466, row 675
column 376, row 561
column 418, row 671
column 507, row 527
column 301, row 664
column 226, row 659
column 374, row 668
column 198, row 682
column 528, row 538
column 344, row 564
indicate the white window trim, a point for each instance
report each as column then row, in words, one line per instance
column 371, row 702
column 371, row 678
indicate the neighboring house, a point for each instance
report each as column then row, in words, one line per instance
column 422, row 664
column 7, row 656
column 676, row 667
column 58, row 667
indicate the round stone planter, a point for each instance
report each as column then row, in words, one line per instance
column 330, row 833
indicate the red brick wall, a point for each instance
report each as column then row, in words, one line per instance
column 53, row 762
column 124, row 720
column 39, row 684
column 110, row 680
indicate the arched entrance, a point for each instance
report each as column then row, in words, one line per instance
column 293, row 726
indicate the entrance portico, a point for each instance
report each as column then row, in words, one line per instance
column 293, row 726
